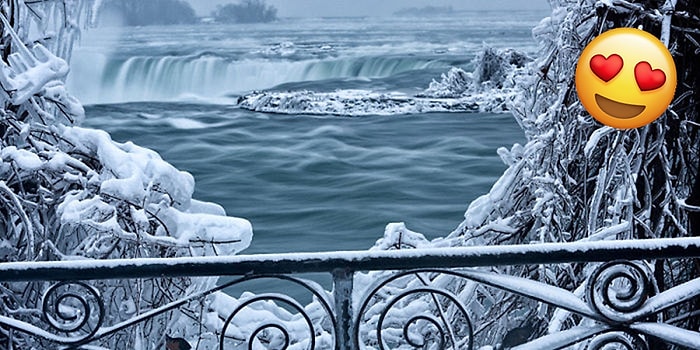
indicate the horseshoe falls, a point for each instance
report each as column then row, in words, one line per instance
column 145, row 78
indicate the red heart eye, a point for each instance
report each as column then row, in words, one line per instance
column 647, row 78
column 606, row 68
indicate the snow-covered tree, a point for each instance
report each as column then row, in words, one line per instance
column 578, row 180
column 246, row 11
column 574, row 179
column 144, row 13
column 71, row 193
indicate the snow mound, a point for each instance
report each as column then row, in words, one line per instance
column 495, row 72
column 355, row 103
column 154, row 191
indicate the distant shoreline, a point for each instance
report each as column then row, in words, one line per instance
column 207, row 20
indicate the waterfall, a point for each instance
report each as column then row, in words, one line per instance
column 99, row 79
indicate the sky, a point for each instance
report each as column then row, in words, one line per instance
column 327, row 8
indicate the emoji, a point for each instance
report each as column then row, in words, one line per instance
column 625, row 78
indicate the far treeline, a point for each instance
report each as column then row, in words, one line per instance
column 164, row 12
column 425, row 11
column 246, row 11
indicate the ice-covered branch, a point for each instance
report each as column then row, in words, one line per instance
column 68, row 192
column 578, row 180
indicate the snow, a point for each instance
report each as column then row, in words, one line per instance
column 669, row 333
column 664, row 300
column 561, row 339
column 535, row 290
column 25, row 327
column 21, row 158
column 325, row 261
column 396, row 235
column 229, row 235
column 38, row 74
column 141, row 177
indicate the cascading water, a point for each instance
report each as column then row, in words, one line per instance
column 99, row 79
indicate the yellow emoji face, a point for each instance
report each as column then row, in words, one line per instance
column 625, row 78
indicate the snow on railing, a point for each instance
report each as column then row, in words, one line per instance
column 409, row 305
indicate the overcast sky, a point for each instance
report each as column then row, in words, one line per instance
column 317, row 8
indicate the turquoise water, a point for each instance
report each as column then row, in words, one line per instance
column 322, row 183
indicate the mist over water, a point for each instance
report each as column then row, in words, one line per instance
column 211, row 61
column 306, row 183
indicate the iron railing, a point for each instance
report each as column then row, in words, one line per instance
column 620, row 300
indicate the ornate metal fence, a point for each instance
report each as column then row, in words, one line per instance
column 619, row 299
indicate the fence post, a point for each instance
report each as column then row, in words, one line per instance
column 342, row 294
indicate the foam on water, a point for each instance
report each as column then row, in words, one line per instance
column 186, row 124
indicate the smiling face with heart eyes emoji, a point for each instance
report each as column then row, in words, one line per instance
column 625, row 78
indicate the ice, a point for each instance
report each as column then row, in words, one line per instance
column 29, row 73
column 667, row 10
column 483, row 207
column 452, row 84
column 486, row 90
column 595, row 138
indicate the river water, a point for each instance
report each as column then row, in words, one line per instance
column 306, row 183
